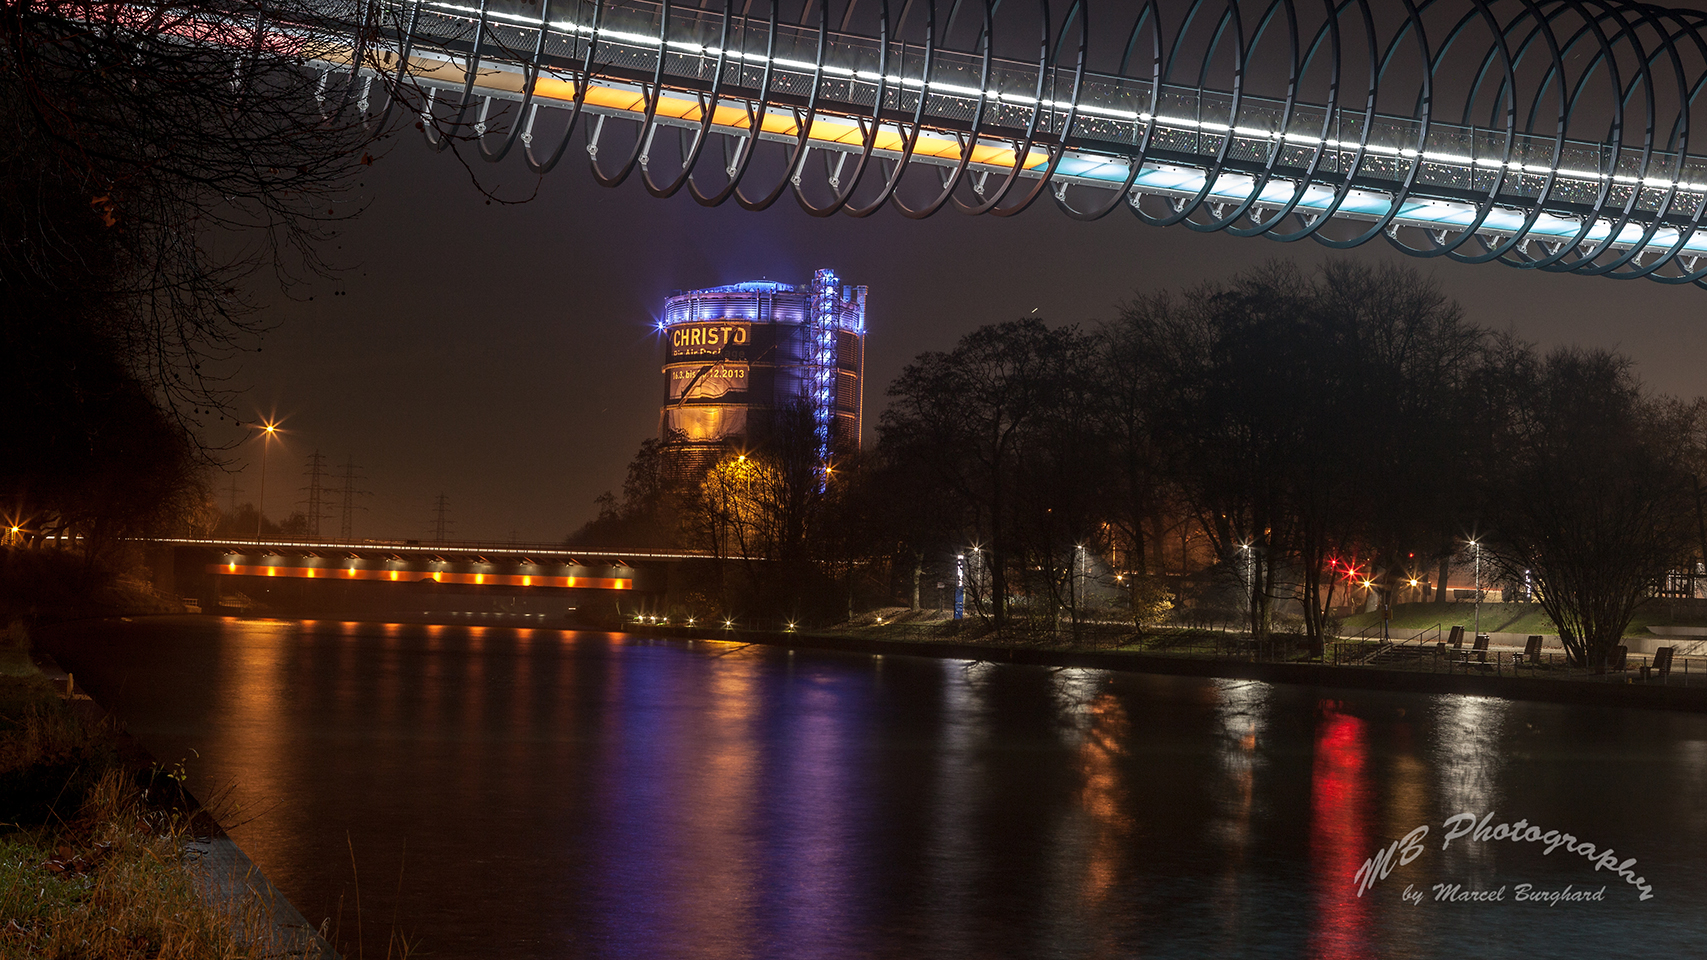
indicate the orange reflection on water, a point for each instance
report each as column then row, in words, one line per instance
column 250, row 721
column 702, row 838
column 388, row 684
column 1104, row 797
column 1340, row 838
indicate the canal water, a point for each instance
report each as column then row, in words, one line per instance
column 500, row 792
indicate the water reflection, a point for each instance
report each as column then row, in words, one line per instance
column 945, row 870
column 1240, row 709
column 537, row 793
column 1103, row 832
column 1340, row 838
column 1467, row 756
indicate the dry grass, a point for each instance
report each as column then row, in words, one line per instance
column 15, row 651
column 91, row 866
column 45, row 733
column 113, row 883
column 88, row 869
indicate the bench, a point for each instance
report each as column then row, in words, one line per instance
column 1531, row 650
column 1477, row 654
column 1662, row 661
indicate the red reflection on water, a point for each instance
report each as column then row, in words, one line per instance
column 1340, row 838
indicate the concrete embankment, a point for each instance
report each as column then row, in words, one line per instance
column 1607, row 692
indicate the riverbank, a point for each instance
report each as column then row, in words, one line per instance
column 1675, row 622
column 915, row 639
column 102, row 851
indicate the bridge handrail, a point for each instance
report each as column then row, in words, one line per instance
column 1249, row 160
column 447, row 546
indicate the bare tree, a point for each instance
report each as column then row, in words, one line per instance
column 1298, row 416
column 965, row 415
column 153, row 158
column 159, row 154
column 1591, row 497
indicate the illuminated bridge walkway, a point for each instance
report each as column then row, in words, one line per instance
column 1547, row 135
column 542, row 581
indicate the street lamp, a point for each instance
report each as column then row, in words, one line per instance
column 268, row 430
column 1477, row 545
column 1081, row 584
column 1246, row 574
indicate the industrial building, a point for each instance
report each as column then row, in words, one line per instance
column 737, row 356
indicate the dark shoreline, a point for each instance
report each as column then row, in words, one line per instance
column 1598, row 693
column 224, row 876
column 1650, row 696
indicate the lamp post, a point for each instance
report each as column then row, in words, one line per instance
column 1079, row 568
column 1477, row 545
column 268, row 429
column 1248, row 579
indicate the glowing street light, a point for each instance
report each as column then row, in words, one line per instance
column 269, row 429
column 1477, row 544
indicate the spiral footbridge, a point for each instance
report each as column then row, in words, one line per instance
column 1553, row 135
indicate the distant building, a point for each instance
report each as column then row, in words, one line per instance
column 737, row 355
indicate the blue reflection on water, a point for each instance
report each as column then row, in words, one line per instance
column 536, row 793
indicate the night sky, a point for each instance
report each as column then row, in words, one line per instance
column 503, row 355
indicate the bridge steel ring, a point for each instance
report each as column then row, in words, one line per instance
column 1549, row 135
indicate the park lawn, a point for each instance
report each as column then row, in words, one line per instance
column 1526, row 618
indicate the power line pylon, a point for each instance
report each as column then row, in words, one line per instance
column 347, row 526
column 441, row 506
column 316, row 500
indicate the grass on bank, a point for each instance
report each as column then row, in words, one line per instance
column 1524, row 618
column 88, row 867
column 899, row 624
column 15, row 652
column 111, row 882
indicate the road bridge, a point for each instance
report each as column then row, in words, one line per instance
column 480, row 580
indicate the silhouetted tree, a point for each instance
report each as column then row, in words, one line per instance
column 1239, row 397
column 154, row 156
column 1591, row 496
column 962, row 415
column 1299, row 416
column 650, row 511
